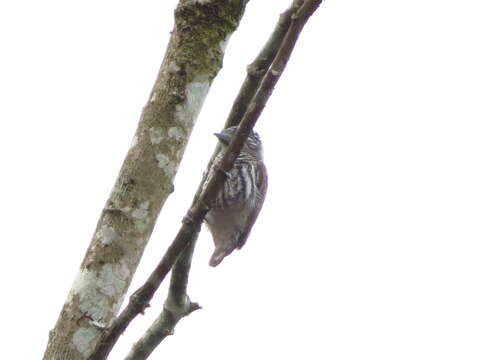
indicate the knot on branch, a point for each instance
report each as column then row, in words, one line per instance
column 182, row 308
column 193, row 307
column 140, row 299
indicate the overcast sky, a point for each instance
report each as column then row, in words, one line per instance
column 368, row 243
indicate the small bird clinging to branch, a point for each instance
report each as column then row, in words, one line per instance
column 238, row 203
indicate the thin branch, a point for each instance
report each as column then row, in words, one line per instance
column 257, row 69
column 177, row 306
column 193, row 220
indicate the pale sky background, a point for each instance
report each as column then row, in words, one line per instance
column 368, row 243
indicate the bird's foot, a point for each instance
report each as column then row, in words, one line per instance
column 225, row 173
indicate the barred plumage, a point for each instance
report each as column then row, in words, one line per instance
column 236, row 207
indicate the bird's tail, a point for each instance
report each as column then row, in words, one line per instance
column 218, row 256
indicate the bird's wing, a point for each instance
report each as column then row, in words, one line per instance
column 262, row 180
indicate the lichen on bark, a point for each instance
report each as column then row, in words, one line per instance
column 192, row 60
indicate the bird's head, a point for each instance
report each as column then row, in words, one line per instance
column 252, row 146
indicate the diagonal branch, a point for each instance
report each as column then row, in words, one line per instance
column 257, row 69
column 192, row 60
column 195, row 215
column 177, row 306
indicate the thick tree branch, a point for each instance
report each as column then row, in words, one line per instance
column 193, row 58
column 195, row 215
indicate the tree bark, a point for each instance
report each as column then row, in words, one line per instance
column 192, row 60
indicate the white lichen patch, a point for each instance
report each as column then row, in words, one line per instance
column 165, row 164
column 177, row 133
column 96, row 289
column 99, row 325
column 107, row 235
column 134, row 141
column 142, row 212
column 195, row 92
column 82, row 340
column 139, row 214
column 172, row 67
column 223, row 44
column 112, row 278
column 153, row 97
column 126, row 209
column 156, row 135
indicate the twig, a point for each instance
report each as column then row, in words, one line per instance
column 192, row 221
column 257, row 69
column 177, row 306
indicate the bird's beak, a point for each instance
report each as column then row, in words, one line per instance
column 224, row 139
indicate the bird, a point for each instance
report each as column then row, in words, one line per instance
column 233, row 212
